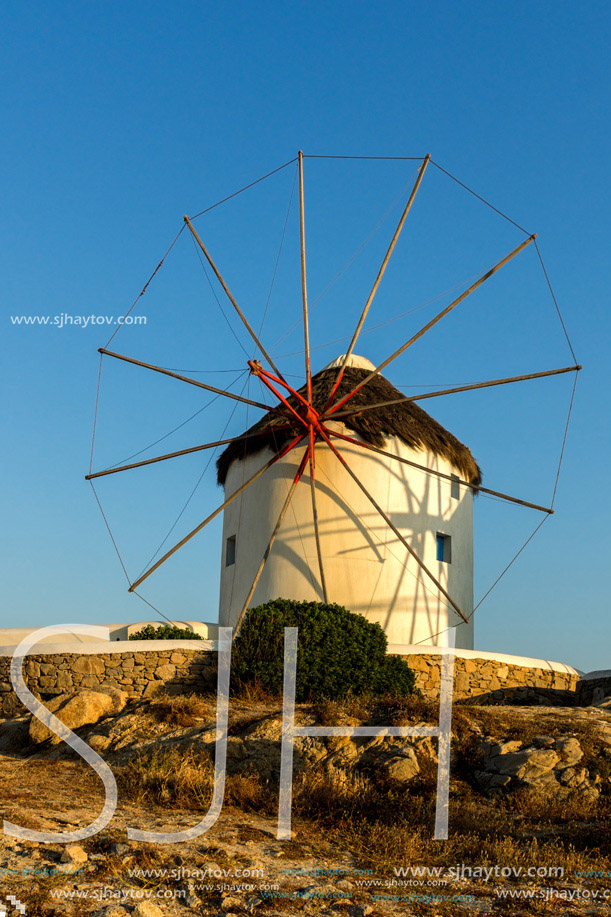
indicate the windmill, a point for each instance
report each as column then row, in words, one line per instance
column 331, row 452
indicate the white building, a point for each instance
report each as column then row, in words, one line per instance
column 367, row 568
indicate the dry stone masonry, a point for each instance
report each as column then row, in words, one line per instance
column 142, row 672
column 594, row 688
column 138, row 674
column 490, row 681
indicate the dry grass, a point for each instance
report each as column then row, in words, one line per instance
column 384, row 824
column 38, row 896
column 187, row 711
column 186, row 779
column 182, row 710
column 385, row 711
column 255, row 692
column 385, row 828
column 336, row 712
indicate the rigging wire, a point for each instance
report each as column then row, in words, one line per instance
column 146, row 285
column 198, row 482
column 269, row 295
column 493, row 586
column 348, row 263
column 545, row 518
column 245, row 188
column 479, row 197
column 184, row 422
column 95, row 414
column 549, row 284
column 176, row 369
column 395, row 158
column 438, row 634
column 510, row 564
column 388, row 321
column 239, row 526
column 110, row 533
column 201, row 372
column 383, row 544
column 154, row 607
column 566, row 433
column 218, row 302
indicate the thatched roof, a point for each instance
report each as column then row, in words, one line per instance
column 408, row 421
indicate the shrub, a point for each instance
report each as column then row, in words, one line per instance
column 165, row 632
column 394, row 677
column 339, row 653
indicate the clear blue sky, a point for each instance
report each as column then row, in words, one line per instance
column 120, row 117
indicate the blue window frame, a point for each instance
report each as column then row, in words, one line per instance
column 444, row 548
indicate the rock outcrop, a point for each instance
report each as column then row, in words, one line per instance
column 75, row 710
column 548, row 765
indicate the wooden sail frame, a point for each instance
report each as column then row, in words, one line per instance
column 300, row 413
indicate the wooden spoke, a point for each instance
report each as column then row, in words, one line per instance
column 396, row 531
column 168, row 372
column 304, row 286
column 451, row 391
column 231, row 299
column 323, row 582
column 270, row 544
column 432, row 322
column 378, row 278
column 170, row 455
column 218, row 510
column 441, row 474
column 266, row 378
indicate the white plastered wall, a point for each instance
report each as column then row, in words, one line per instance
column 367, row 568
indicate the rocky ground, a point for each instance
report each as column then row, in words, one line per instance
column 528, row 813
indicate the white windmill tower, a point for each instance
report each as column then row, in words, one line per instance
column 367, row 567
column 385, row 525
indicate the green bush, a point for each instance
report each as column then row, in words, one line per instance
column 394, row 677
column 165, row 632
column 339, row 653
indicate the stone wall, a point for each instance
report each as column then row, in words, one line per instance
column 183, row 669
column 139, row 673
column 491, row 681
column 594, row 688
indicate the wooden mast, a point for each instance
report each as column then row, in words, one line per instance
column 432, row 322
column 396, row 531
column 351, row 412
column 213, row 515
column 243, row 318
column 378, row 279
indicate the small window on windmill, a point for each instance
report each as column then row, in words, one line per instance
column 230, row 551
column 444, row 548
column 455, row 487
